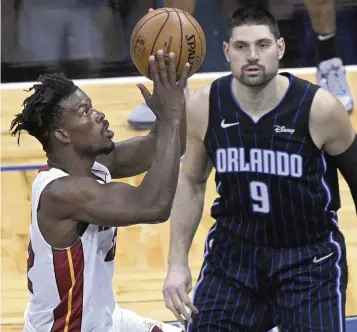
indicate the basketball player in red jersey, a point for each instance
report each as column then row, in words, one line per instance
column 75, row 208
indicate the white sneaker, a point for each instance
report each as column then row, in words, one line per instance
column 142, row 117
column 331, row 76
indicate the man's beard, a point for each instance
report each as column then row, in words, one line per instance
column 91, row 151
column 261, row 79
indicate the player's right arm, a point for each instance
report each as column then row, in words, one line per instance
column 82, row 199
column 188, row 206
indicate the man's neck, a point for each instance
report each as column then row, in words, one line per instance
column 257, row 101
column 71, row 163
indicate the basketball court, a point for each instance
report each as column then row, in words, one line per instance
column 141, row 250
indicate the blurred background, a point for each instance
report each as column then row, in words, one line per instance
column 90, row 38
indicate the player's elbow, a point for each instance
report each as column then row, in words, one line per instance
column 165, row 210
column 157, row 211
column 163, row 217
column 160, row 214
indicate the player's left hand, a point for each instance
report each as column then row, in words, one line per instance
column 168, row 94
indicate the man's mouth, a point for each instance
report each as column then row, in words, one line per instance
column 107, row 132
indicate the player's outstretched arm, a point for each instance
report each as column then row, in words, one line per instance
column 119, row 204
column 188, row 206
column 332, row 130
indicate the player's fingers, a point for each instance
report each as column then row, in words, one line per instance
column 144, row 91
column 172, row 68
column 151, row 9
column 153, row 70
column 162, row 67
column 180, row 307
column 170, row 305
column 186, row 300
column 184, row 76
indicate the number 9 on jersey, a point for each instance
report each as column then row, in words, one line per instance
column 259, row 195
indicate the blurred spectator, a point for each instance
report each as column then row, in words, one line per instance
column 50, row 31
column 131, row 11
column 330, row 68
column 91, row 38
column 9, row 47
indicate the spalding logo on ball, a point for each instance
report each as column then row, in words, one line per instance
column 171, row 30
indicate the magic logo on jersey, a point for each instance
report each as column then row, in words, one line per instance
column 255, row 160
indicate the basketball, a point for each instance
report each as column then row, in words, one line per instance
column 171, row 30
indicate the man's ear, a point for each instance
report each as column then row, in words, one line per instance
column 62, row 135
column 281, row 47
column 226, row 51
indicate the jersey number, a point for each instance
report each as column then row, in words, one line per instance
column 260, row 198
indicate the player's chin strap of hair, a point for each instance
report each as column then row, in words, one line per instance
column 347, row 164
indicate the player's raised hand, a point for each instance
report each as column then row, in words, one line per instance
column 177, row 286
column 168, row 98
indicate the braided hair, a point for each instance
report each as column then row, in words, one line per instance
column 41, row 112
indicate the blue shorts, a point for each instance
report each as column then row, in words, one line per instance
column 245, row 287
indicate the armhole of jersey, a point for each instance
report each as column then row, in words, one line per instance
column 314, row 89
column 35, row 204
column 37, row 190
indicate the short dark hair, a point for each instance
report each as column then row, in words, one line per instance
column 252, row 15
column 41, row 112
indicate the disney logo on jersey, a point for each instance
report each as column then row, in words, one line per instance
column 283, row 129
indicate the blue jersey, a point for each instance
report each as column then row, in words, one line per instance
column 275, row 186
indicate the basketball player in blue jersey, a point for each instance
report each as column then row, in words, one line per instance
column 275, row 255
column 75, row 208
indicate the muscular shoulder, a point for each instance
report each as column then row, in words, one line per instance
column 324, row 106
column 329, row 122
column 62, row 197
column 198, row 111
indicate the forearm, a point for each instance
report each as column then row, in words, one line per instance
column 160, row 181
column 185, row 218
column 323, row 15
column 183, row 134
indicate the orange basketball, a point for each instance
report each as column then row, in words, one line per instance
column 171, row 30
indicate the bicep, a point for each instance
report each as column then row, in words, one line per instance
column 341, row 135
column 111, row 204
column 118, row 204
